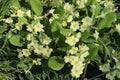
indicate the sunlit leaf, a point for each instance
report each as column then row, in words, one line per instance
column 56, row 63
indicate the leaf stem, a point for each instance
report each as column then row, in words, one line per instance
column 5, row 41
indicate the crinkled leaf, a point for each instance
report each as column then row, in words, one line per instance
column 107, row 21
column 16, row 40
column 36, row 6
column 93, row 51
column 23, row 20
column 21, row 64
column 56, row 63
column 3, row 29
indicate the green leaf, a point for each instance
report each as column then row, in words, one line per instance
column 21, row 64
column 30, row 76
column 64, row 48
column 23, row 20
column 65, row 32
column 16, row 4
column 55, row 26
column 61, row 12
column 3, row 29
column 97, row 10
column 107, row 21
column 16, row 40
column 85, row 35
column 36, row 6
column 93, row 51
column 56, row 63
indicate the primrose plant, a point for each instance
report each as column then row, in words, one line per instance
column 64, row 33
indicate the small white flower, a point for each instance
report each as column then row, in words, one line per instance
column 64, row 23
column 34, row 43
column 20, row 13
column 109, row 4
column 46, row 41
column 118, row 28
column 83, row 28
column 28, row 13
column 37, row 61
column 105, row 67
column 47, row 51
column 30, row 37
column 80, row 3
column 87, row 21
column 73, row 50
column 74, row 26
column 39, row 49
column 30, row 27
column 75, row 72
column 52, row 11
column 18, row 25
column 75, row 61
column 83, row 48
column 30, row 47
column 110, row 75
column 68, row 59
column 9, row 20
column 38, row 28
column 26, row 52
column 68, row 7
column 96, row 35
column 85, row 54
column 70, row 18
column 71, row 40
column 78, row 35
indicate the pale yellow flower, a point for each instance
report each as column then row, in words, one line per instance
column 83, row 28
column 83, row 48
column 105, row 67
column 71, row 40
column 96, row 35
column 68, row 59
column 109, row 4
column 73, row 50
column 87, row 21
column 39, row 49
column 30, row 28
column 111, row 75
column 30, row 37
column 37, row 61
column 38, row 28
column 9, row 20
column 74, row 26
column 47, row 51
column 75, row 61
column 70, row 18
column 46, row 41
column 20, row 13
column 18, row 25
column 80, row 3
column 26, row 52
column 28, row 13
column 68, row 7
column 64, row 23
column 118, row 28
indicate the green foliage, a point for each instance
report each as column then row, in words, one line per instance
column 56, row 63
column 16, row 40
column 107, row 21
column 59, row 39
column 36, row 6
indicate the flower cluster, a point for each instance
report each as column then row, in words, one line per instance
column 37, row 42
column 77, row 28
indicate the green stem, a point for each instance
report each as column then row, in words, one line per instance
column 5, row 41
